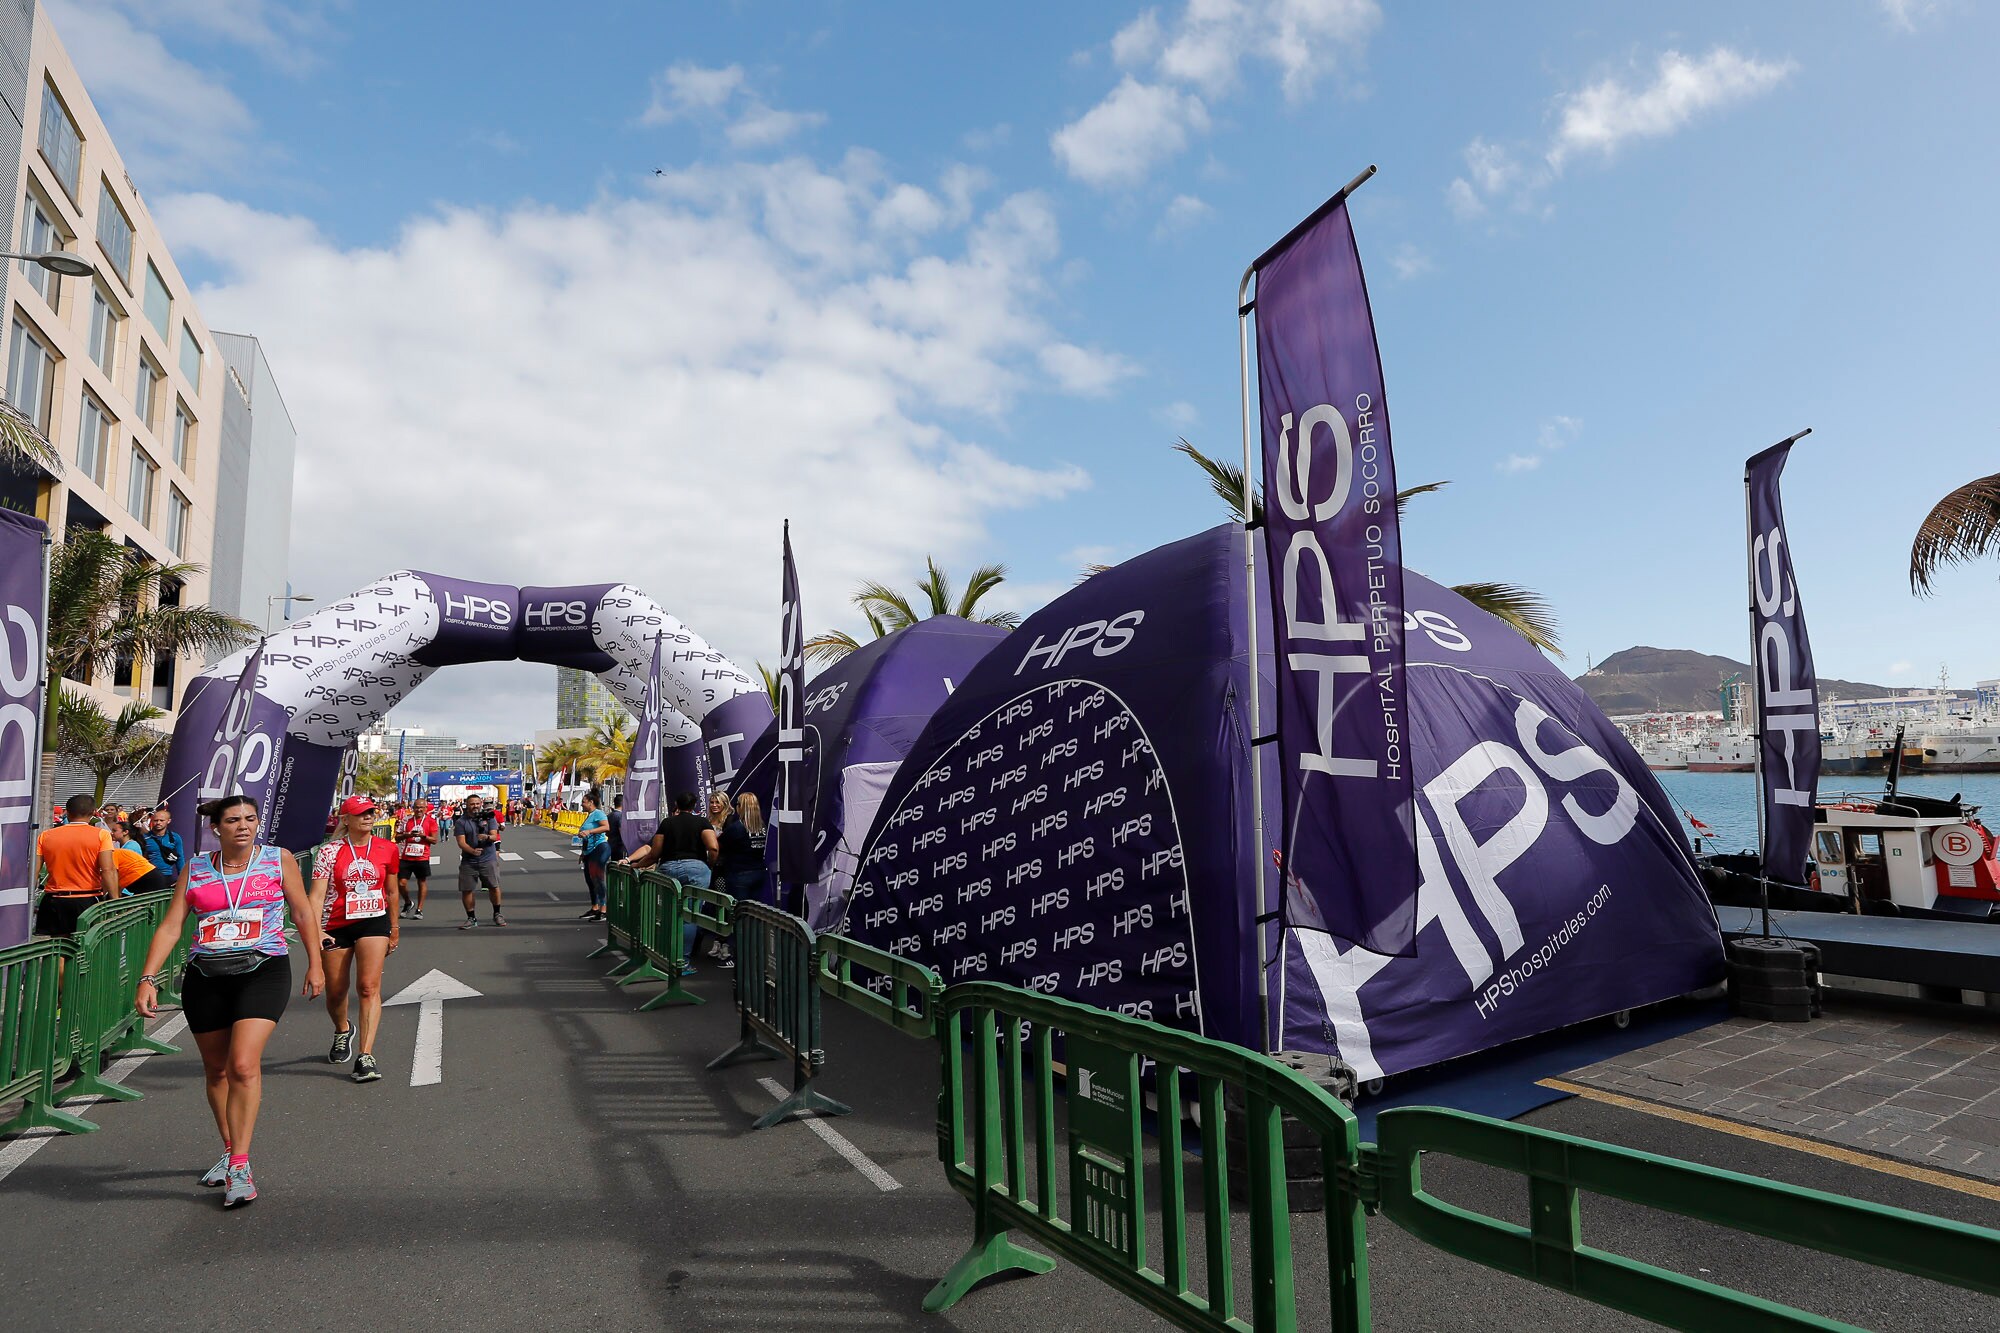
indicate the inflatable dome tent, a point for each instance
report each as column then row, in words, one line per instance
column 1075, row 819
column 863, row 713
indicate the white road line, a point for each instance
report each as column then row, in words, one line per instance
column 550, row 856
column 554, row 897
column 510, row 856
column 856, row 1158
column 30, row 1143
column 437, row 860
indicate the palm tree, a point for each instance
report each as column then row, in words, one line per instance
column 105, row 608
column 1964, row 526
column 1525, row 611
column 888, row 610
column 375, row 775
column 557, row 756
column 107, row 746
column 609, row 747
column 22, row 442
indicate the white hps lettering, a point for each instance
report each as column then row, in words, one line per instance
column 972, row 962
column 1105, row 637
column 1025, row 871
column 1109, row 882
column 1018, row 951
column 473, row 606
column 1050, row 824
column 1096, row 974
column 1109, row 800
column 1046, row 727
column 1069, row 937
column 951, row 862
column 949, row 933
column 978, row 888
column 553, row 613
column 952, row 800
column 1137, row 1009
column 1059, row 751
column 1076, row 851
column 978, row 819
column 1090, row 702
column 1788, row 703
column 1090, row 772
column 20, row 672
column 1034, row 796
column 1159, row 960
column 925, row 906
column 1055, row 900
column 1003, row 916
column 929, row 836
column 1132, row 920
column 791, row 721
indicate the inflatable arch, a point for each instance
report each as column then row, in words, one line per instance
column 324, row 680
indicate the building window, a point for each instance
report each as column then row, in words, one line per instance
column 139, row 487
column 190, row 357
column 104, row 321
column 38, row 237
column 183, row 440
column 61, row 145
column 31, row 375
column 114, row 234
column 93, row 440
column 146, row 396
column 177, row 521
column 159, row 303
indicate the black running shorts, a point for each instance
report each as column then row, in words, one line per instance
column 212, row 1004
column 57, row 915
column 417, row 869
column 343, row 937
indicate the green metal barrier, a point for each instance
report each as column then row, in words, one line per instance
column 33, row 1054
column 779, row 1001
column 1551, row 1251
column 662, row 941
column 901, row 993
column 621, row 924
column 711, row 909
column 1012, row 1179
column 99, row 1019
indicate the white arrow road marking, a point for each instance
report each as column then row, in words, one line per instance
column 510, row 856
column 835, row 1140
column 31, row 1142
column 546, row 856
column 428, row 993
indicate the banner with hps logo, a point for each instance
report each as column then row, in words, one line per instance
column 1335, row 564
column 644, row 795
column 320, row 682
column 23, row 650
column 1787, row 690
column 791, row 811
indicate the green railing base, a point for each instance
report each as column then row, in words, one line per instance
column 139, row 1041
column 41, row 1115
column 676, row 993
column 627, row 965
column 987, row 1258
column 601, row 950
column 644, row 972
column 93, row 1085
column 805, row 1100
column 752, row 1047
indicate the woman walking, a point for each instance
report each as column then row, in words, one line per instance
column 239, row 974
column 352, row 881
column 596, row 854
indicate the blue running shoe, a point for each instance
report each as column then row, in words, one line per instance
column 242, row 1189
column 218, row 1175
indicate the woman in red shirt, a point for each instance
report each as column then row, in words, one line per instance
column 353, row 878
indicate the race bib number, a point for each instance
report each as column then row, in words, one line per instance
column 229, row 930
column 415, row 851
column 366, row 902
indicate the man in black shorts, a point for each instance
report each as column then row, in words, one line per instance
column 478, row 838
column 414, row 840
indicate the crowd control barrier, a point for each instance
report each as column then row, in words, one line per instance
column 33, row 1051
column 1083, row 1194
column 662, row 941
column 779, row 1003
column 621, row 918
column 901, row 993
column 567, row 821
column 1551, row 1250
column 1085, row 1198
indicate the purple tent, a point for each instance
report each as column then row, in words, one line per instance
column 1075, row 819
column 863, row 713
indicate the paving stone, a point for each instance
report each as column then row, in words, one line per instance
column 1739, row 1045
column 1900, row 1117
column 1842, row 1062
column 1959, row 1085
column 1922, row 1099
column 1924, row 1057
column 1845, row 1097
column 1976, row 1128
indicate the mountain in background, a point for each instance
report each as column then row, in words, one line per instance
column 1676, row 680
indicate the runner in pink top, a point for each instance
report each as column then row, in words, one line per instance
column 239, row 972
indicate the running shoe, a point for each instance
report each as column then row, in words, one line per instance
column 687, row 969
column 417, row 915
column 591, row 915
column 365, row 1070
column 470, row 922
column 343, row 1047
column 242, row 1189
column 499, row 920
column 218, row 1175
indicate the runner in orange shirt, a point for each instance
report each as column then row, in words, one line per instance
column 82, row 869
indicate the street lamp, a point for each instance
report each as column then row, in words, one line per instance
column 58, row 261
column 287, row 598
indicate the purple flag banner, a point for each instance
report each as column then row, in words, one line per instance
column 1335, row 556
column 790, row 817
column 1787, row 690
column 23, row 620
column 643, row 794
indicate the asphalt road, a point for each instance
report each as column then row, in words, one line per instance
column 577, row 1164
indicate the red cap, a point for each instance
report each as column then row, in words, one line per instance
column 357, row 805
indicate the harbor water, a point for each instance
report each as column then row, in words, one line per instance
column 1727, row 802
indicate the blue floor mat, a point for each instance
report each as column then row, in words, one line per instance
column 1505, row 1083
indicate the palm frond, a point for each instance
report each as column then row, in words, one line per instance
column 1525, row 611
column 822, row 648
column 1963, row 526
column 936, row 587
column 1226, row 480
column 771, row 682
column 1090, row 572
column 1409, row 493
column 984, row 580
column 1004, row 619
column 22, row 441
column 883, row 603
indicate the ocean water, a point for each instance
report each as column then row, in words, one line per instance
column 1727, row 802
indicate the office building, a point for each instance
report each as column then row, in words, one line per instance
column 254, row 464
column 582, row 701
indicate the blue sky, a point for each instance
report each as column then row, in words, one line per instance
column 953, row 278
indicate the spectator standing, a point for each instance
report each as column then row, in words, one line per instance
column 615, row 816
column 595, row 854
column 161, row 845
column 478, row 839
column 82, row 869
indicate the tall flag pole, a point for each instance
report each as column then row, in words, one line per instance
column 795, row 776
column 1787, row 691
column 1333, row 550
column 402, row 769
column 645, row 797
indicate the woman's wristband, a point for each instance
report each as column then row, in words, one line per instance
column 152, row 979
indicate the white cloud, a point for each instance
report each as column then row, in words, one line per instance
column 1183, row 211
column 1410, row 262
column 687, row 91
column 641, row 388
column 1598, row 120
column 1555, row 434
column 1520, row 463
column 988, row 139
column 1899, row 668
column 1126, row 135
column 1903, row 14
column 1179, row 414
column 1604, row 115
column 1196, row 57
